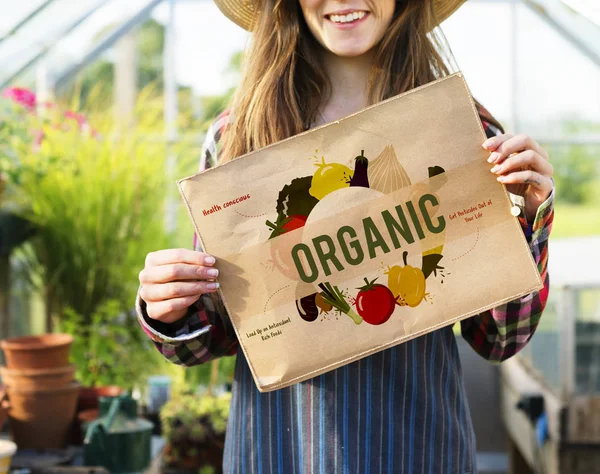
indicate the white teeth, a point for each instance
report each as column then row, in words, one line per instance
column 350, row 17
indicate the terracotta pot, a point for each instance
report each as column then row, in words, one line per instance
column 89, row 397
column 42, row 418
column 3, row 406
column 38, row 378
column 37, row 352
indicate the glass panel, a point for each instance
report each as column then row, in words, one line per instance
column 18, row 11
column 587, row 342
column 542, row 354
column 40, row 33
column 62, row 34
column 544, row 97
column 552, row 100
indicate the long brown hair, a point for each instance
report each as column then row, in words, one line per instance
column 284, row 83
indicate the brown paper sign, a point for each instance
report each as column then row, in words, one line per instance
column 361, row 234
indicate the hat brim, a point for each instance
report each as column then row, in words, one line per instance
column 243, row 12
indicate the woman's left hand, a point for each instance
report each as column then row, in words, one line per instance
column 524, row 167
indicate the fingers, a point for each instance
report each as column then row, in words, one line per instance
column 175, row 290
column 169, row 311
column 505, row 145
column 171, row 256
column 532, row 178
column 173, row 280
column 528, row 159
column 493, row 143
column 177, row 272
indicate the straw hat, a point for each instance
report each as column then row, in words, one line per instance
column 242, row 12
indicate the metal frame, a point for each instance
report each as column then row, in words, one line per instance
column 566, row 33
column 142, row 15
column 26, row 19
column 48, row 46
column 568, row 308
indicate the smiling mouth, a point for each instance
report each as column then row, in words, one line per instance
column 347, row 17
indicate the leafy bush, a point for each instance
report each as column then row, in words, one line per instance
column 97, row 197
column 110, row 350
column 194, row 429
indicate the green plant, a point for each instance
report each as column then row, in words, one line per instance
column 194, row 429
column 109, row 350
column 97, row 198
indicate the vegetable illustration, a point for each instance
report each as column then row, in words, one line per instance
column 329, row 178
column 295, row 199
column 281, row 249
column 333, row 296
column 287, row 224
column 375, row 302
column 432, row 257
column 294, row 222
column 436, row 171
column 323, row 305
column 385, row 172
column 361, row 166
column 431, row 263
column 406, row 283
column 307, row 308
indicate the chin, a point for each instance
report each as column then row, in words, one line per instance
column 349, row 50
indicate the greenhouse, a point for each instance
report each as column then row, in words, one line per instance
column 105, row 104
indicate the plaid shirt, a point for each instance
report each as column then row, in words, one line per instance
column 406, row 405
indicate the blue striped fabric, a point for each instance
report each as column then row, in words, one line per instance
column 402, row 410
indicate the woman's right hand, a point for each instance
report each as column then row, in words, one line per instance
column 172, row 280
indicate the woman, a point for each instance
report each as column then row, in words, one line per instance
column 401, row 410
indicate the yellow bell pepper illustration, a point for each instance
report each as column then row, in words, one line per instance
column 407, row 283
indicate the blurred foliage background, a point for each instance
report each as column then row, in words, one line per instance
column 96, row 190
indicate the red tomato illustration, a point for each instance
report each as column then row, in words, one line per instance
column 281, row 250
column 375, row 303
column 294, row 222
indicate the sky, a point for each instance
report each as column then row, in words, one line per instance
column 553, row 79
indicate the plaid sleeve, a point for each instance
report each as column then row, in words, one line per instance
column 205, row 333
column 501, row 332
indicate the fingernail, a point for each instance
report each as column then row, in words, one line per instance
column 493, row 157
column 488, row 143
column 213, row 272
column 209, row 260
column 213, row 285
column 495, row 169
column 501, row 179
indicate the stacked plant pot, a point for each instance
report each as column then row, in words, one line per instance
column 42, row 390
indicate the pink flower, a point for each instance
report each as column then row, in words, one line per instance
column 21, row 96
column 39, row 136
column 79, row 118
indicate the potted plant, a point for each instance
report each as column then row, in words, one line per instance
column 194, row 430
column 96, row 196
